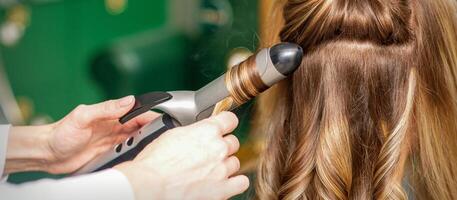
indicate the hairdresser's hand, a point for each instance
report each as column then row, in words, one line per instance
column 192, row 162
column 90, row 130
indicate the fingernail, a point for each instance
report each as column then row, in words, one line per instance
column 126, row 101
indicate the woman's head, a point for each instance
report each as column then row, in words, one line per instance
column 372, row 103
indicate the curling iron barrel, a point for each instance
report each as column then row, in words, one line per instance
column 241, row 83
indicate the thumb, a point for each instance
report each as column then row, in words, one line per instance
column 107, row 110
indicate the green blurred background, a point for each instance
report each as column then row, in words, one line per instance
column 57, row 54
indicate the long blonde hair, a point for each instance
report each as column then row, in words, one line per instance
column 372, row 111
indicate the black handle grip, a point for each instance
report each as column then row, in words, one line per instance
column 144, row 103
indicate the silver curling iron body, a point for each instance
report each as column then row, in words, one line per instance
column 181, row 108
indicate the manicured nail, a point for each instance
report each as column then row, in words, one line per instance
column 126, row 101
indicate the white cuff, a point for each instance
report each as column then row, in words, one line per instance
column 109, row 184
column 4, row 132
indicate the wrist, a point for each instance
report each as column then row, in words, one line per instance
column 145, row 183
column 28, row 149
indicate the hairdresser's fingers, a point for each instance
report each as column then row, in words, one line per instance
column 219, row 125
column 235, row 185
column 133, row 125
column 227, row 122
column 146, row 117
column 233, row 144
column 84, row 115
column 232, row 165
column 140, row 121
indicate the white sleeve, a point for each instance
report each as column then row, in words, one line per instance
column 4, row 132
column 109, row 184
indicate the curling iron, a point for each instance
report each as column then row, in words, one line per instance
column 239, row 84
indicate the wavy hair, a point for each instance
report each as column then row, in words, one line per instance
column 372, row 111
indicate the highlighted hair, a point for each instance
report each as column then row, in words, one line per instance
column 372, row 111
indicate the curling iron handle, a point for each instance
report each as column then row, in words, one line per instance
column 131, row 147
